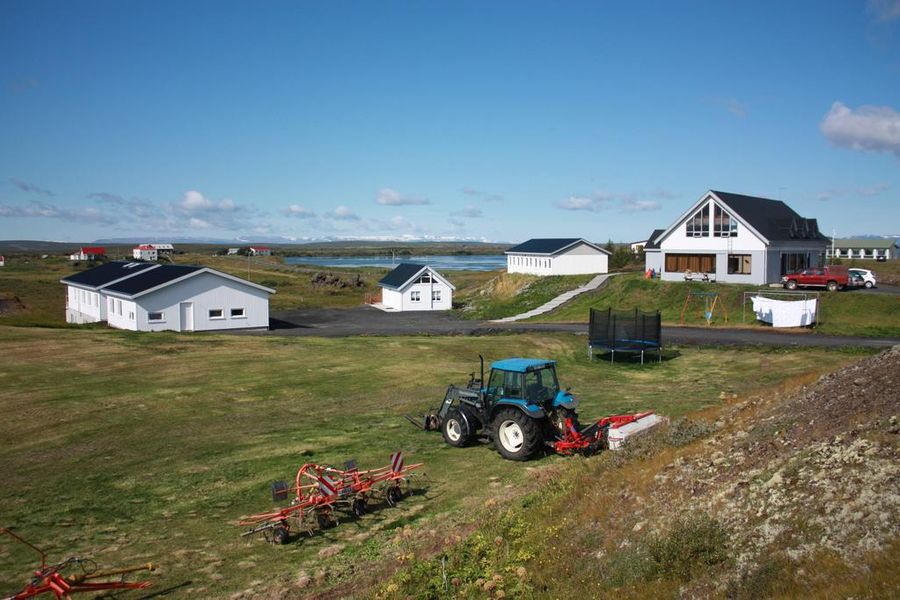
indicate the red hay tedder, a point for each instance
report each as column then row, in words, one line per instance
column 320, row 491
column 74, row 576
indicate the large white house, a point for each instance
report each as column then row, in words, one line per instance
column 557, row 256
column 872, row 249
column 412, row 286
column 153, row 297
column 734, row 238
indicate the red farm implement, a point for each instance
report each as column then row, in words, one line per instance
column 74, row 576
column 321, row 492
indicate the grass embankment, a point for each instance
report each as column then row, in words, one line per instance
column 508, row 294
column 133, row 447
column 841, row 313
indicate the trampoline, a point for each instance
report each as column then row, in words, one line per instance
column 629, row 331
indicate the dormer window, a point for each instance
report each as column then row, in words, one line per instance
column 724, row 224
column 698, row 225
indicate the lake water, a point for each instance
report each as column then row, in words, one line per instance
column 446, row 262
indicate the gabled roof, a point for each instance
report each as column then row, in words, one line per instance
column 550, row 246
column 521, row 365
column 165, row 275
column 146, row 247
column 92, row 250
column 107, row 273
column 773, row 219
column 407, row 272
column 652, row 242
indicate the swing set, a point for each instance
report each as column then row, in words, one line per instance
column 710, row 304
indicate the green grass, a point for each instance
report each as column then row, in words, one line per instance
column 133, row 447
column 841, row 313
column 507, row 294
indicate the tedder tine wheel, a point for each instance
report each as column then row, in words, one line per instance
column 280, row 535
column 359, row 507
column 394, row 495
column 324, row 520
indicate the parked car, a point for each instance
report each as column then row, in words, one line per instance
column 832, row 278
column 867, row 276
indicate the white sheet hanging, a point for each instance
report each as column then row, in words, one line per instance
column 785, row 313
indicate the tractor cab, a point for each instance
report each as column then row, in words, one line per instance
column 527, row 383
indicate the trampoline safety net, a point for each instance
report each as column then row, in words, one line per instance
column 625, row 331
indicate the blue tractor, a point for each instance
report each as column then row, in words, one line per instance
column 520, row 407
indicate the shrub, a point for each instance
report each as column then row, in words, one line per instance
column 691, row 545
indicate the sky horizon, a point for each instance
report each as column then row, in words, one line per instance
column 495, row 121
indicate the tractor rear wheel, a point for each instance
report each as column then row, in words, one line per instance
column 516, row 435
column 457, row 428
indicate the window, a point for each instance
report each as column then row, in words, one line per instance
column 698, row 225
column 793, row 262
column 698, row 263
column 237, row 313
column 425, row 278
column 216, row 313
column 131, row 316
column 723, row 224
column 119, row 307
column 415, row 296
column 435, row 295
column 155, row 316
column 738, row 264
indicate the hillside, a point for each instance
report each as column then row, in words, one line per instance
column 789, row 494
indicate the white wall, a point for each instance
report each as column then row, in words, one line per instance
column 425, row 291
column 582, row 259
column 121, row 313
column 653, row 260
column 205, row 291
column 392, row 299
column 84, row 306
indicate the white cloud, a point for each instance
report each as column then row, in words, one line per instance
column 867, row 191
column 196, row 223
column 342, row 213
column 884, row 10
column 390, row 197
column 297, row 211
column 594, row 203
column 485, row 196
column 600, row 201
column 869, row 128
column 30, row 187
column 469, row 212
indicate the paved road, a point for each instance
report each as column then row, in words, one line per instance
column 365, row 320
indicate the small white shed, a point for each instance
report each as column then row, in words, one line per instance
column 412, row 286
column 557, row 256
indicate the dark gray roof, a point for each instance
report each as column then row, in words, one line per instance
column 400, row 275
column 548, row 245
column 150, row 279
column 105, row 273
column 773, row 219
column 651, row 245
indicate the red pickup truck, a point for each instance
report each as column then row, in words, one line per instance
column 832, row 278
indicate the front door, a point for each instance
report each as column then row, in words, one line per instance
column 187, row 316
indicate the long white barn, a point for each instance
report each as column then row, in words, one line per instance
column 557, row 256
column 153, row 297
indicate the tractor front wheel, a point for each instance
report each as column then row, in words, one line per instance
column 457, row 430
column 516, row 435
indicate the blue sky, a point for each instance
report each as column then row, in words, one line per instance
column 487, row 120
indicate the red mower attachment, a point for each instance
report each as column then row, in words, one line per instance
column 320, row 491
column 81, row 578
column 609, row 432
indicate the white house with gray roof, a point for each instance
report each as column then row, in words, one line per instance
column 735, row 238
column 154, row 297
column 412, row 286
column 557, row 256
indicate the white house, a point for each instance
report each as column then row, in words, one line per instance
column 145, row 252
column 88, row 253
column 866, row 249
column 260, row 251
column 164, row 248
column 411, row 286
column 557, row 256
column 153, row 297
column 734, row 238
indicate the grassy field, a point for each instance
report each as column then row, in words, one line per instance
column 133, row 447
column 842, row 313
